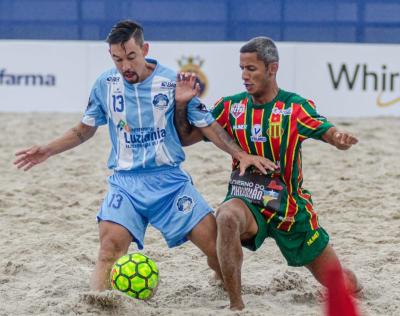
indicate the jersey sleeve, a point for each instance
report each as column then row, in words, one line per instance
column 310, row 123
column 95, row 114
column 219, row 113
column 198, row 114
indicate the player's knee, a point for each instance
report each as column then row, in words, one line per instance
column 227, row 220
column 110, row 249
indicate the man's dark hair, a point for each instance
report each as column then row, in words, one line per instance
column 264, row 47
column 123, row 31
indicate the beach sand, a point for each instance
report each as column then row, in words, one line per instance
column 49, row 236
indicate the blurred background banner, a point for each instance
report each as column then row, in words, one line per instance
column 340, row 53
column 342, row 79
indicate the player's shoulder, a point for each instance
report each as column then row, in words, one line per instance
column 163, row 71
column 230, row 99
column 109, row 75
column 236, row 98
column 291, row 98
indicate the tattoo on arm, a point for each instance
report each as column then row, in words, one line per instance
column 181, row 122
column 78, row 134
column 232, row 146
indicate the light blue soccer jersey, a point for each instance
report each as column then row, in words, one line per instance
column 140, row 118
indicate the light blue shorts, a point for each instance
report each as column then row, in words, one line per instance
column 164, row 197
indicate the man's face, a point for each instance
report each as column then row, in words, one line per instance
column 129, row 58
column 256, row 75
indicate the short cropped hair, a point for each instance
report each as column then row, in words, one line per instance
column 264, row 47
column 124, row 30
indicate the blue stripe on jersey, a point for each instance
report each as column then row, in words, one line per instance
column 140, row 118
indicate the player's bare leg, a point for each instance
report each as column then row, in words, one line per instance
column 326, row 259
column 114, row 242
column 234, row 222
column 204, row 236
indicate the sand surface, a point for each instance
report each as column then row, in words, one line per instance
column 49, row 237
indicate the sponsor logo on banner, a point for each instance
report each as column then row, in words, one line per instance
column 256, row 134
column 193, row 64
column 185, row 204
column 160, row 101
column 275, row 130
column 365, row 78
column 237, row 109
column 36, row 79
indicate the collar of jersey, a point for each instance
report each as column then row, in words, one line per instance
column 268, row 104
column 148, row 79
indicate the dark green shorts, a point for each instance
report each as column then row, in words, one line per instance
column 298, row 248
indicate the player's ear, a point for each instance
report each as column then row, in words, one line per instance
column 273, row 67
column 145, row 49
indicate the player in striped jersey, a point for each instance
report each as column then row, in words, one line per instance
column 270, row 122
column 137, row 99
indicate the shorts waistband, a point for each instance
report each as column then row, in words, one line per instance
column 146, row 170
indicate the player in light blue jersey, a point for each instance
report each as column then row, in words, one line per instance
column 137, row 99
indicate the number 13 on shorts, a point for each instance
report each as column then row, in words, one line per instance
column 115, row 200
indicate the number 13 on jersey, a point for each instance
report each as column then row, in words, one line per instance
column 118, row 103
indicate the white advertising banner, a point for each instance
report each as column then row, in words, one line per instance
column 350, row 80
column 43, row 76
column 343, row 79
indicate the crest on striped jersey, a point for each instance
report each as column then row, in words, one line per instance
column 237, row 109
column 275, row 130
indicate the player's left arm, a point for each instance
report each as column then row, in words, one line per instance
column 312, row 124
column 341, row 140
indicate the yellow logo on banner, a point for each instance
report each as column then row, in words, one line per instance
column 275, row 130
column 193, row 64
column 382, row 104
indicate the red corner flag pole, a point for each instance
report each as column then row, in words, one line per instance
column 339, row 301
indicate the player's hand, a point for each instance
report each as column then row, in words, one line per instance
column 344, row 140
column 187, row 88
column 27, row 158
column 263, row 164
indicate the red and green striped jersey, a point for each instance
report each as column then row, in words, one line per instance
column 276, row 131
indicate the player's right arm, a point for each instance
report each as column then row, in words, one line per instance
column 27, row 158
column 186, row 89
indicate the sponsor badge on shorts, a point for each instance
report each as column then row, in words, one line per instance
column 185, row 204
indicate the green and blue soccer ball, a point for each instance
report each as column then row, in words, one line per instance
column 135, row 275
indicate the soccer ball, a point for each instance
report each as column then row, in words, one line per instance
column 135, row 275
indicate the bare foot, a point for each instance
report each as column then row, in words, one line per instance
column 237, row 306
column 216, row 280
column 351, row 282
column 106, row 299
